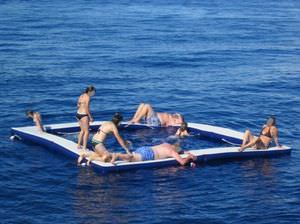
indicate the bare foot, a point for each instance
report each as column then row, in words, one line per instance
column 241, row 149
column 113, row 158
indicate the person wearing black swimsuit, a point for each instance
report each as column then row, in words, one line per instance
column 84, row 116
column 268, row 133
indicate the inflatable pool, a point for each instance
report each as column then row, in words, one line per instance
column 52, row 140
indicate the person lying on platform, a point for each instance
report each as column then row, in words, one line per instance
column 37, row 119
column 93, row 156
column 155, row 118
column 268, row 133
column 162, row 151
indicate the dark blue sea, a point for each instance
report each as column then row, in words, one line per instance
column 225, row 63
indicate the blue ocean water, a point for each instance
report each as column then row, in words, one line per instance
column 225, row 63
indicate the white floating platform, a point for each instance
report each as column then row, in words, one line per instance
column 59, row 144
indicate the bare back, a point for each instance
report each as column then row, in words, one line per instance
column 163, row 151
column 105, row 129
column 83, row 104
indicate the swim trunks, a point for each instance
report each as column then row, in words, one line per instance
column 153, row 120
column 146, row 153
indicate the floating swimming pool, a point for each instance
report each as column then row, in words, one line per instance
column 207, row 143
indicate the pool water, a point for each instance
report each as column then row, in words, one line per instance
column 224, row 63
column 147, row 136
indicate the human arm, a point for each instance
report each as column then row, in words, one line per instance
column 274, row 133
column 183, row 161
column 120, row 140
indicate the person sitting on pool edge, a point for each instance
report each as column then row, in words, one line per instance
column 166, row 150
column 155, row 118
column 37, row 119
column 106, row 128
column 183, row 130
column 267, row 134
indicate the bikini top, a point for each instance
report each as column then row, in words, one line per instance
column 267, row 134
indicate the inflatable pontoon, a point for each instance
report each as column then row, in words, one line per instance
column 53, row 141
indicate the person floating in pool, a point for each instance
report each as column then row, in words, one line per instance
column 162, row 151
column 84, row 116
column 37, row 119
column 109, row 127
column 155, row 119
column 267, row 134
column 183, row 130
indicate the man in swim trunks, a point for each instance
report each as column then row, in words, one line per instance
column 156, row 119
column 162, row 151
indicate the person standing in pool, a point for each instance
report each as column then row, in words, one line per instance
column 37, row 119
column 183, row 130
column 84, row 116
column 105, row 129
column 267, row 134
column 162, row 151
column 155, row 119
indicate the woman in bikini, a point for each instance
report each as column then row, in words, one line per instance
column 84, row 116
column 155, row 119
column 267, row 134
column 109, row 127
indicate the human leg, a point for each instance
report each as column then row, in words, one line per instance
column 80, row 135
column 85, row 128
column 249, row 140
column 248, row 136
column 144, row 110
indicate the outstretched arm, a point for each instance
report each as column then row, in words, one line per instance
column 274, row 133
column 183, row 161
column 120, row 140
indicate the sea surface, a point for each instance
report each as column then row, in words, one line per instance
column 225, row 63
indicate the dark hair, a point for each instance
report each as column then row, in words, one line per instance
column 29, row 113
column 271, row 120
column 183, row 126
column 117, row 118
column 90, row 89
